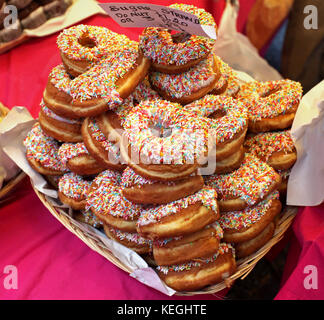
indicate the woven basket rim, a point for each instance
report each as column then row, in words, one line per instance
column 244, row 266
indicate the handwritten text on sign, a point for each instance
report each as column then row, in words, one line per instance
column 141, row 15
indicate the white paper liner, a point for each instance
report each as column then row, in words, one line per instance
column 306, row 181
column 237, row 50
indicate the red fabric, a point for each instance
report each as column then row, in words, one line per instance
column 306, row 250
column 52, row 263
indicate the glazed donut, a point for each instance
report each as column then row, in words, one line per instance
column 61, row 129
column 246, row 248
column 199, row 273
column 103, row 151
column 246, row 186
column 244, row 225
column 227, row 122
column 106, row 201
column 176, row 54
column 172, row 157
column 275, row 148
column 272, row 104
column 180, row 217
column 202, row 243
column 188, row 86
column 130, row 240
column 42, row 152
column 78, row 160
column 141, row 190
column 82, row 46
column 103, row 87
column 87, row 217
column 73, row 190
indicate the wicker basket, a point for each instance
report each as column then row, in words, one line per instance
column 244, row 266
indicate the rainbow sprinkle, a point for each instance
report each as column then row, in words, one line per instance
column 43, row 148
column 264, row 145
column 245, row 218
column 197, row 263
column 186, row 83
column 107, row 198
column 287, row 95
column 206, row 196
column 250, row 182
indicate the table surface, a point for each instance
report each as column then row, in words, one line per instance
column 52, row 263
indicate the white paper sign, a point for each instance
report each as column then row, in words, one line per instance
column 141, row 15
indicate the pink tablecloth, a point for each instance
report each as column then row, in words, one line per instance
column 51, row 262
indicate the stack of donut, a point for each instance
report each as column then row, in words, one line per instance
column 155, row 143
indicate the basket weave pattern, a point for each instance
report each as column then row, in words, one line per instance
column 244, row 266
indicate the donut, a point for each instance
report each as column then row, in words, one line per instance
column 244, row 225
column 77, row 159
column 201, row 243
column 111, row 122
column 82, row 46
column 42, row 152
column 130, row 240
column 87, row 217
column 171, row 157
column 199, row 273
column 246, row 186
column 227, row 121
column 103, row 87
column 73, row 190
column 230, row 163
column 106, row 201
column 176, row 53
column 141, row 190
column 61, row 129
column 35, row 19
column 188, row 86
column 228, row 83
column 105, row 152
column 246, row 248
column 57, row 97
column 180, row 217
column 144, row 91
column 275, row 148
column 272, row 104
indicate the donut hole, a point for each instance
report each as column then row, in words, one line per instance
column 217, row 114
column 179, row 37
column 160, row 131
column 269, row 91
column 86, row 41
